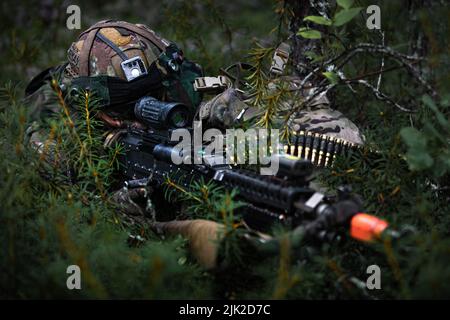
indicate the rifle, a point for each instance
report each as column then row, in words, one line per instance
column 286, row 198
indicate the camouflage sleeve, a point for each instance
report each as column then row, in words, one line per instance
column 329, row 122
column 42, row 105
column 223, row 110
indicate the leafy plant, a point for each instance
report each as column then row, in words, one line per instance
column 429, row 149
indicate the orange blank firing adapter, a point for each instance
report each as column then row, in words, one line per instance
column 365, row 227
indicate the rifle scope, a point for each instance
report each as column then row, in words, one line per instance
column 162, row 115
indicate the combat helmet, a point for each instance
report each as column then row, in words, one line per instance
column 122, row 62
column 116, row 49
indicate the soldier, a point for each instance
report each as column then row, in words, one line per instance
column 122, row 62
column 225, row 109
column 316, row 117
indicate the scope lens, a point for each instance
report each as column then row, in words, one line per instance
column 178, row 119
column 160, row 115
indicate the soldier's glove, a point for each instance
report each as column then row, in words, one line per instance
column 223, row 111
column 127, row 200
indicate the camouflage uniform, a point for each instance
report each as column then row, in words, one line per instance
column 316, row 117
column 43, row 105
column 102, row 59
column 96, row 55
column 95, row 59
column 324, row 120
column 223, row 110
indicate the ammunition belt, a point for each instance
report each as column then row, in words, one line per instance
column 320, row 149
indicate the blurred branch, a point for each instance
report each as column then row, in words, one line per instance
column 382, row 63
column 403, row 59
column 380, row 95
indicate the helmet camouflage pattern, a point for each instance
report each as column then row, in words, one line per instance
column 92, row 54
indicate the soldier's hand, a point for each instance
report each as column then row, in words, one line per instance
column 126, row 199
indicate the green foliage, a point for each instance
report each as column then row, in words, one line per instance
column 48, row 226
column 309, row 33
column 342, row 17
column 331, row 76
column 429, row 149
column 209, row 32
column 204, row 200
column 345, row 16
column 318, row 20
column 418, row 157
column 346, row 4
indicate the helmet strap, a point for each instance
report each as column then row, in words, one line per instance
column 122, row 55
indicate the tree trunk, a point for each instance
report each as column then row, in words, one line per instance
column 302, row 9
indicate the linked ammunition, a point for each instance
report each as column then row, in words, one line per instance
column 320, row 149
